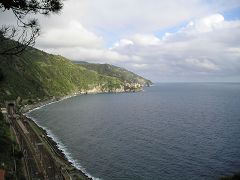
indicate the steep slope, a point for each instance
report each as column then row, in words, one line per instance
column 114, row 71
column 35, row 75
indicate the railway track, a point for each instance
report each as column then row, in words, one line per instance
column 41, row 158
column 38, row 162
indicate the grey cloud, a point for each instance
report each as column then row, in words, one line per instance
column 146, row 16
column 207, row 48
column 192, row 54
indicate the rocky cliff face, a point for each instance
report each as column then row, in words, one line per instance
column 127, row 87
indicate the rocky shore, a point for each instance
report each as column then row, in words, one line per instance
column 96, row 90
column 58, row 153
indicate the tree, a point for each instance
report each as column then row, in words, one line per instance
column 26, row 30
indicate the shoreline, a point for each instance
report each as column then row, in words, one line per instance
column 42, row 103
column 57, row 145
column 59, row 149
column 52, row 139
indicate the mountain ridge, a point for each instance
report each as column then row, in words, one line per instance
column 115, row 71
column 35, row 75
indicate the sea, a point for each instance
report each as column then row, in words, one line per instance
column 169, row 131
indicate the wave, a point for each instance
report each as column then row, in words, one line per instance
column 60, row 145
column 40, row 106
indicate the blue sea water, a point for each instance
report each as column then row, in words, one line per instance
column 168, row 131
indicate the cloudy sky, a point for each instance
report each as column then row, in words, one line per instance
column 165, row 41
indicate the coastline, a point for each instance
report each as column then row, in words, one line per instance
column 42, row 103
column 56, row 144
column 59, row 149
column 32, row 107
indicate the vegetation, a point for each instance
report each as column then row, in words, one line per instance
column 9, row 152
column 35, row 75
column 5, row 141
column 114, row 71
column 26, row 28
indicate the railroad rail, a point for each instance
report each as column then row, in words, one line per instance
column 38, row 162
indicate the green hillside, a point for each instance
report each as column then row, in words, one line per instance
column 114, row 71
column 35, row 75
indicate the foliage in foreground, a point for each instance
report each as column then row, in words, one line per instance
column 9, row 152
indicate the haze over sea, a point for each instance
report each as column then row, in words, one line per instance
column 168, row 131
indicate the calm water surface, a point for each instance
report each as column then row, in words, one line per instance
column 169, row 131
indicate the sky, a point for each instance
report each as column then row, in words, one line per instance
column 165, row 41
